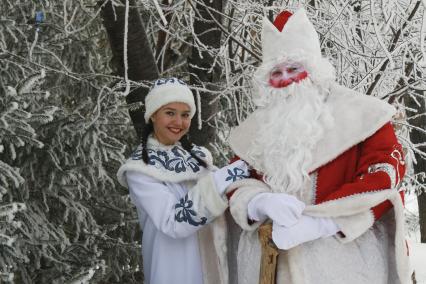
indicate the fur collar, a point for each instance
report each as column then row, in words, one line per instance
column 169, row 163
column 357, row 117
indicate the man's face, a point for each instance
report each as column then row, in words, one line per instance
column 283, row 74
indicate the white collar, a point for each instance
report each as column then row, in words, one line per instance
column 170, row 163
column 357, row 117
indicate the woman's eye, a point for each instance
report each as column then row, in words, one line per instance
column 185, row 115
column 170, row 113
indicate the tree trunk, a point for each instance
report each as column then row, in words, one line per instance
column 141, row 62
column 203, row 71
column 417, row 137
column 421, row 200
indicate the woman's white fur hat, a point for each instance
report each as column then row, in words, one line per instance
column 167, row 91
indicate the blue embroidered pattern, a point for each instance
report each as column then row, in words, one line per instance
column 176, row 160
column 172, row 80
column 236, row 174
column 184, row 213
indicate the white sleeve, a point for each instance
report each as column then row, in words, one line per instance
column 176, row 218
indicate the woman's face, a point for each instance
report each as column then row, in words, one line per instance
column 171, row 122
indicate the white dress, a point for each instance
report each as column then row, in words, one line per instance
column 169, row 247
column 175, row 198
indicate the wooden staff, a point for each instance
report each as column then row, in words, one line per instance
column 268, row 264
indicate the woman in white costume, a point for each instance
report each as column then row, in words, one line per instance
column 178, row 193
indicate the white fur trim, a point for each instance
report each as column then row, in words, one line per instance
column 220, row 243
column 401, row 252
column 349, row 205
column 168, row 92
column 357, row 117
column 161, row 173
column 354, row 226
column 214, row 257
column 140, row 166
column 215, row 203
column 238, row 203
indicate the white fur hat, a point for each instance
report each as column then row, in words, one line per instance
column 167, row 91
column 297, row 37
column 298, row 41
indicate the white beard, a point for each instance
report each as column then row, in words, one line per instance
column 294, row 120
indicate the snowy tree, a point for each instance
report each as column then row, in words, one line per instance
column 376, row 46
column 63, row 135
column 132, row 54
column 65, row 125
column 202, row 37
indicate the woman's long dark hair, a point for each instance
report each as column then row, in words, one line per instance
column 186, row 144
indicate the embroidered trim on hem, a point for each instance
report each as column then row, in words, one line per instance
column 314, row 180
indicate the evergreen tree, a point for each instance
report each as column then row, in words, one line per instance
column 63, row 132
column 65, row 128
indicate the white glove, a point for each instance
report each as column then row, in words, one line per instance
column 283, row 209
column 223, row 177
column 307, row 229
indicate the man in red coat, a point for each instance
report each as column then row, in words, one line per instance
column 329, row 163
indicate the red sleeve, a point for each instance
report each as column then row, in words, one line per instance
column 380, row 166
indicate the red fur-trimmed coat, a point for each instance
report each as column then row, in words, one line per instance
column 374, row 164
column 355, row 172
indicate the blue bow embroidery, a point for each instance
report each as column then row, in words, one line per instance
column 184, row 213
column 236, row 174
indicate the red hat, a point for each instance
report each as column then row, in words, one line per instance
column 282, row 19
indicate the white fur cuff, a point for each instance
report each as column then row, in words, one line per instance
column 215, row 203
column 239, row 202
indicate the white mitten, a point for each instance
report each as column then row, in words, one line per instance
column 225, row 176
column 282, row 208
column 307, row 229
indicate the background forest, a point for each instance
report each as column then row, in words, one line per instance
column 74, row 73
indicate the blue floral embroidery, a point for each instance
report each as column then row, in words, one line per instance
column 172, row 80
column 236, row 174
column 197, row 151
column 175, row 160
column 137, row 154
column 178, row 160
column 184, row 213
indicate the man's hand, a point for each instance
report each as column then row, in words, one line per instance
column 227, row 175
column 282, row 208
column 307, row 229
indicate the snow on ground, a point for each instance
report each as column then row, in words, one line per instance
column 418, row 261
column 417, row 249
